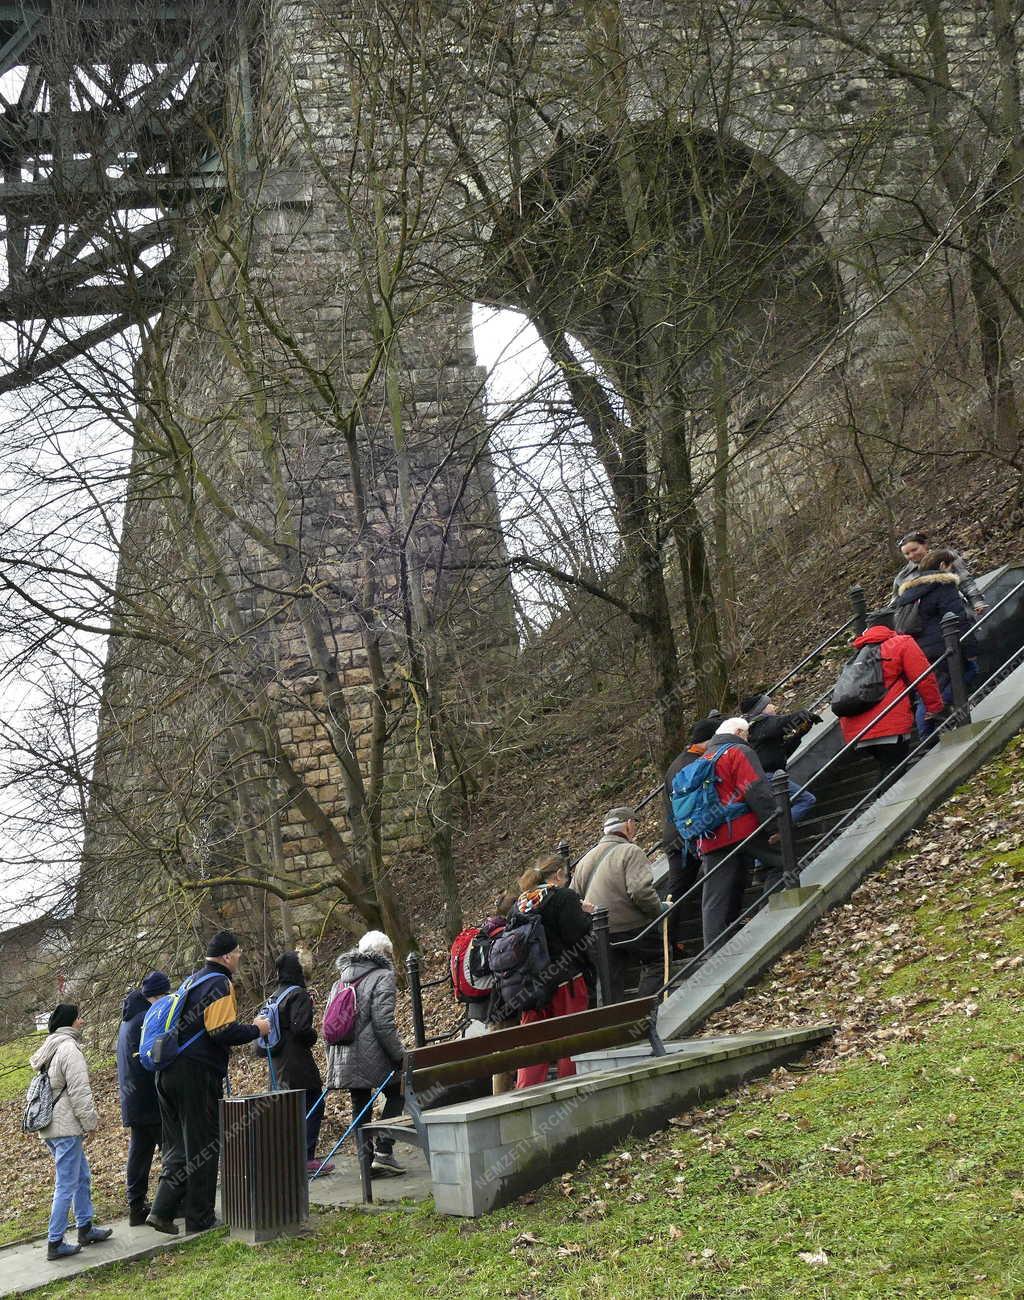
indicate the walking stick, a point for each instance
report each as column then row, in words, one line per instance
column 664, row 944
column 355, row 1121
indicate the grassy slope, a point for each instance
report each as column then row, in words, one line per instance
column 890, row 1164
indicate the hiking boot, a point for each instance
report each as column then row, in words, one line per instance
column 138, row 1213
column 204, row 1227
column 61, row 1249
column 88, row 1235
column 162, row 1225
column 384, row 1163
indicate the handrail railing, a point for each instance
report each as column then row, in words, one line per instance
column 957, row 717
column 858, row 616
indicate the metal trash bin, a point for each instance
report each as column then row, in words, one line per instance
column 264, row 1181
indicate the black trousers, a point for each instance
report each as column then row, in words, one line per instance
column 189, row 1094
column 683, row 874
column 393, row 1107
column 145, row 1138
column 888, row 757
column 725, row 881
column 316, row 1118
column 640, row 963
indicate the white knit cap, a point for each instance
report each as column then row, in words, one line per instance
column 377, row 943
column 734, row 726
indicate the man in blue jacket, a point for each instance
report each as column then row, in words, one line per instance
column 140, row 1110
column 190, row 1089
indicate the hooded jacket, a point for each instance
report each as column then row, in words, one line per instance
column 74, row 1111
column 377, row 1047
column 968, row 586
column 740, row 778
column 935, row 594
column 137, row 1085
column 902, row 661
column 293, row 1057
column 616, row 875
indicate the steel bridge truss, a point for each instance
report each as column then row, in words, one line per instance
column 114, row 115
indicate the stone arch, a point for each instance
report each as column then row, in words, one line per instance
column 736, row 254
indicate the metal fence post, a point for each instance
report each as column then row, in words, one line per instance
column 859, row 602
column 602, row 955
column 784, row 827
column 955, row 666
column 419, row 1029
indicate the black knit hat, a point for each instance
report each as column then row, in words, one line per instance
column 882, row 617
column 224, row 941
column 704, row 730
column 63, row 1016
column 289, row 969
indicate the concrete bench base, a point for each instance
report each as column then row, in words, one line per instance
column 485, row 1153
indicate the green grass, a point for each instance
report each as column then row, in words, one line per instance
column 14, row 1067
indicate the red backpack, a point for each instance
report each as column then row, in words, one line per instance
column 468, row 958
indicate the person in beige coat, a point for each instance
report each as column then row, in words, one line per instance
column 616, row 875
column 74, row 1118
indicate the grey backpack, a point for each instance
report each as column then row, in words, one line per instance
column 39, row 1103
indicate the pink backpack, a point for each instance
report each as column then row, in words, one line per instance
column 341, row 1016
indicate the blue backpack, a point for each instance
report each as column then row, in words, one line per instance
column 158, row 1045
column 696, row 808
column 271, row 1009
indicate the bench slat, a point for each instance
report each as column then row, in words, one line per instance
column 622, row 1015
column 542, row 1042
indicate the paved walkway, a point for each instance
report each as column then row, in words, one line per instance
column 26, row 1268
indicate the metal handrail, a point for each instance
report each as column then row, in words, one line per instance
column 811, row 654
column 950, row 721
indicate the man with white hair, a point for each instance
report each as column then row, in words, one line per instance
column 376, row 1049
column 739, row 779
column 616, row 875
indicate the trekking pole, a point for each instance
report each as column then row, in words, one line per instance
column 354, row 1123
column 318, row 1101
column 664, row 942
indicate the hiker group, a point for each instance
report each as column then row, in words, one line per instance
column 533, row 957
column 173, row 1051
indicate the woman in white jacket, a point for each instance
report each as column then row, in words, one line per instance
column 74, row 1116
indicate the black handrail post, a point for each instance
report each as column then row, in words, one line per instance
column 419, row 1028
column 602, row 955
column 859, row 602
column 955, row 667
column 784, row 827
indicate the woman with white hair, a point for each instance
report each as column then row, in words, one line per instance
column 376, row 1047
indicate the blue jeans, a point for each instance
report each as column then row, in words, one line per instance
column 72, row 1185
column 800, row 802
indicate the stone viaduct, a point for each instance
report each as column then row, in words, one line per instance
column 312, row 602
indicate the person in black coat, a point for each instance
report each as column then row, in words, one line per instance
column 294, row 1062
column 924, row 600
column 140, row 1109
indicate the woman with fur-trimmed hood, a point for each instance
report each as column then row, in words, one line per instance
column 376, row 1049
column 931, row 593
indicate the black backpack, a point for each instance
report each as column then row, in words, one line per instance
column 519, row 962
column 907, row 619
column 861, row 684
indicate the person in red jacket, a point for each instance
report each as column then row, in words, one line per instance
column 888, row 739
column 740, row 778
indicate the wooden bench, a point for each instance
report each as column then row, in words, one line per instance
column 429, row 1071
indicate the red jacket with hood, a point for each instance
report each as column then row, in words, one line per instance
column 902, row 661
